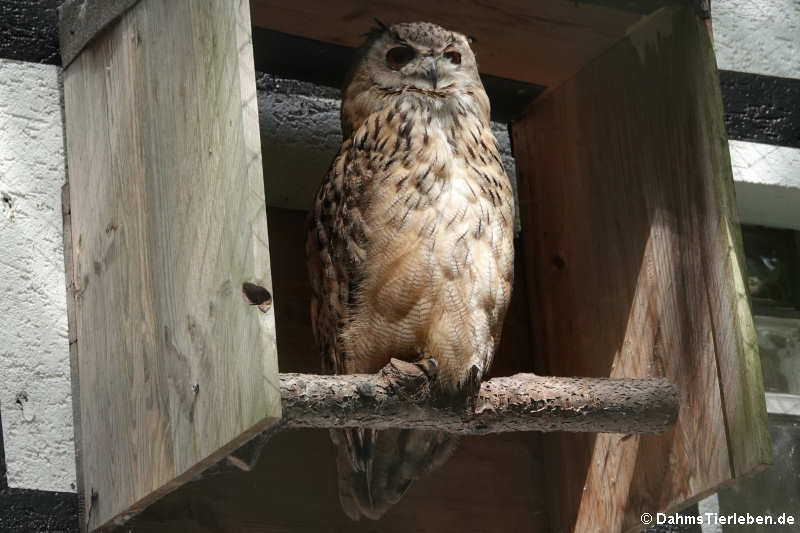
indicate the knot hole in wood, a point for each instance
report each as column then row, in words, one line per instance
column 257, row 295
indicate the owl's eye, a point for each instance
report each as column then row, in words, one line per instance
column 453, row 56
column 398, row 56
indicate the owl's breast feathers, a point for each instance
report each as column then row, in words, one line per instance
column 411, row 239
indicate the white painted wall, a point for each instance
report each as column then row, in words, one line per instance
column 34, row 352
column 758, row 36
column 762, row 37
column 767, row 181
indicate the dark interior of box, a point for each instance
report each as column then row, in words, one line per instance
column 491, row 482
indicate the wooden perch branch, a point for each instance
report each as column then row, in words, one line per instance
column 399, row 397
column 524, row 402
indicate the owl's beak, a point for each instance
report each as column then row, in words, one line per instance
column 432, row 73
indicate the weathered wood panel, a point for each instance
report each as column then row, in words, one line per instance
column 168, row 221
column 75, row 385
column 543, row 42
column 492, row 483
column 631, row 240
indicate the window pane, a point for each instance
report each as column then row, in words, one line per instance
column 774, row 491
column 779, row 347
column 772, row 267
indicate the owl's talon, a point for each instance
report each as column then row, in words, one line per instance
column 411, row 381
column 366, row 390
column 430, row 367
column 471, row 388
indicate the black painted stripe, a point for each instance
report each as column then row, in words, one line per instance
column 29, row 31
column 764, row 109
column 36, row 510
column 26, row 510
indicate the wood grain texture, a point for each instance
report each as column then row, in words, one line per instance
column 168, row 221
column 631, row 243
column 543, row 42
column 736, row 342
column 492, row 483
column 75, row 387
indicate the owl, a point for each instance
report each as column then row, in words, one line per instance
column 410, row 243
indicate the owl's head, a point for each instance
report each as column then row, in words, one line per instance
column 418, row 55
column 413, row 59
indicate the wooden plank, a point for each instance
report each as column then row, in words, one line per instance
column 542, row 42
column 168, row 222
column 72, row 335
column 491, row 484
column 735, row 336
column 631, row 242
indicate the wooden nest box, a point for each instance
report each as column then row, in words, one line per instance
column 628, row 266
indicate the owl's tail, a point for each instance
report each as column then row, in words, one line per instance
column 377, row 467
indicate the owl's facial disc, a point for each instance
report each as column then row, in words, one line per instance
column 424, row 68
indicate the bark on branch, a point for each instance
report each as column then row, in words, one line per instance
column 400, row 397
column 524, row 402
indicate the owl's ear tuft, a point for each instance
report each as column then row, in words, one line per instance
column 379, row 29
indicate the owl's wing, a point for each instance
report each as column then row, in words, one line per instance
column 335, row 253
column 374, row 467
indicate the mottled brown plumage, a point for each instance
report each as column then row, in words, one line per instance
column 410, row 243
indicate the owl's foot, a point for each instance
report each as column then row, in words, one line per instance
column 429, row 366
column 412, row 382
column 417, row 383
column 471, row 388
